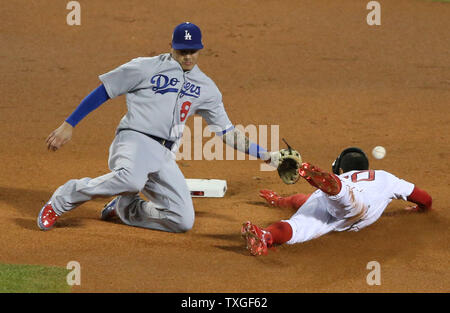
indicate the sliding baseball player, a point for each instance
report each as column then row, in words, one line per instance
column 349, row 199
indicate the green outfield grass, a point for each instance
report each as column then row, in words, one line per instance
column 33, row 279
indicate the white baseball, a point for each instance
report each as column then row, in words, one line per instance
column 379, row 152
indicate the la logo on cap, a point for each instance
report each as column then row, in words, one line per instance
column 187, row 36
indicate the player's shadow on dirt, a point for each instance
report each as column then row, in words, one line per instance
column 25, row 201
column 398, row 212
column 262, row 203
column 238, row 247
column 202, row 214
column 272, row 260
column 235, row 249
column 227, row 237
column 28, row 203
column 31, row 224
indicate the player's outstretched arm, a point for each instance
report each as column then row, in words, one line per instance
column 422, row 200
column 63, row 133
column 59, row 136
column 236, row 139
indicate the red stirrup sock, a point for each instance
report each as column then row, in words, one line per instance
column 281, row 232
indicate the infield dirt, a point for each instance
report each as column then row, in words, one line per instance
column 315, row 68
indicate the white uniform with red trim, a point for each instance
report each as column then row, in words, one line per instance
column 363, row 198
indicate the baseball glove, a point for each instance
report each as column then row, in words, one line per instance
column 288, row 165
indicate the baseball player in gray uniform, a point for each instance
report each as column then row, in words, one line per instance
column 161, row 92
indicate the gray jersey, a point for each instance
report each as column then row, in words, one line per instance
column 161, row 96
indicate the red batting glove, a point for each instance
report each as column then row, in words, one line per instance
column 270, row 196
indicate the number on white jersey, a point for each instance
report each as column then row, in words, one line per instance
column 368, row 175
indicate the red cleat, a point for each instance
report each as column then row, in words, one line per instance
column 258, row 240
column 328, row 183
column 47, row 217
column 270, row 196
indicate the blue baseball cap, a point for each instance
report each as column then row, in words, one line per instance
column 187, row 36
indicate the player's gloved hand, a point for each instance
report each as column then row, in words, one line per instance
column 271, row 158
column 59, row 137
column 288, row 165
column 270, row 196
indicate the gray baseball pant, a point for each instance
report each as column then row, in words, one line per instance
column 138, row 164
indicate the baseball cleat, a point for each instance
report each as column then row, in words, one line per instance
column 328, row 183
column 47, row 217
column 109, row 211
column 270, row 196
column 258, row 240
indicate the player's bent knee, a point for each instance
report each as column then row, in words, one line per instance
column 180, row 226
column 186, row 224
column 131, row 181
column 185, row 227
column 186, row 221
